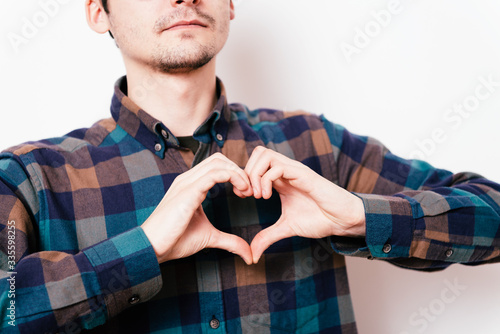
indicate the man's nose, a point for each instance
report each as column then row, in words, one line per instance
column 176, row 3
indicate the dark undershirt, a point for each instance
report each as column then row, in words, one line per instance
column 189, row 142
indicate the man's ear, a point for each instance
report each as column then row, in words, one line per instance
column 97, row 18
column 232, row 9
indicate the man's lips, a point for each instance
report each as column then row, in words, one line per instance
column 186, row 24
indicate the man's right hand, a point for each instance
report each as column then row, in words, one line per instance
column 179, row 228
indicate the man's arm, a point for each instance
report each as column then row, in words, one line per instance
column 58, row 290
column 47, row 290
column 416, row 216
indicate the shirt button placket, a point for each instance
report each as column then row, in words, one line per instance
column 209, row 287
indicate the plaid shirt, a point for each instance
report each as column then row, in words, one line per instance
column 79, row 259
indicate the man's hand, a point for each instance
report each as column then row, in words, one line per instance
column 179, row 228
column 312, row 206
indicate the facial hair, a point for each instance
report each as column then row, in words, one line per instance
column 188, row 56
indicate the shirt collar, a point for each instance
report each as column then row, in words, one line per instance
column 153, row 134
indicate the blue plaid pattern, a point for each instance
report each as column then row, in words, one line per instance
column 83, row 263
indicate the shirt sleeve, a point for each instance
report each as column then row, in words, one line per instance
column 417, row 216
column 48, row 291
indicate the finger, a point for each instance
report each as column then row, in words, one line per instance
column 269, row 178
column 238, row 193
column 257, row 165
column 238, row 177
column 212, row 176
column 232, row 244
column 255, row 157
column 267, row 237
column 284, row 174
column 219, row 169
column 261, row 162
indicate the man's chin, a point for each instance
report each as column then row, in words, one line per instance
column 177, row 66
column 179, row 70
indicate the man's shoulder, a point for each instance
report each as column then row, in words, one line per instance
column 68, row 144
column 272, row 116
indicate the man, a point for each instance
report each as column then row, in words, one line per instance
column 100, row 246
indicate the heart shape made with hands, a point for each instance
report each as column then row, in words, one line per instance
column 311, row 206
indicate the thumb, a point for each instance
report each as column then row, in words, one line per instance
column 267, row 237
column 232, row 244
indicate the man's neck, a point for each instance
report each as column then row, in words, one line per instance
column 181, row 101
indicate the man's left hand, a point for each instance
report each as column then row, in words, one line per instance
column 312, row 206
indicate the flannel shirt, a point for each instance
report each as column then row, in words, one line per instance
column 73, row 255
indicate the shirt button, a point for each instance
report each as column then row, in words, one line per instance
column 219, row 137
column 158, row 147
column 164, row 134
column 449, row 252
column 214, row 323
column 387, row 248
column 134, row 299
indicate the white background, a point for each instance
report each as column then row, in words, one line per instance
column 287, row 54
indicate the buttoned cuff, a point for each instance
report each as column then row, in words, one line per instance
column 389, row 225
column 389, row 229
column 127, row 270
